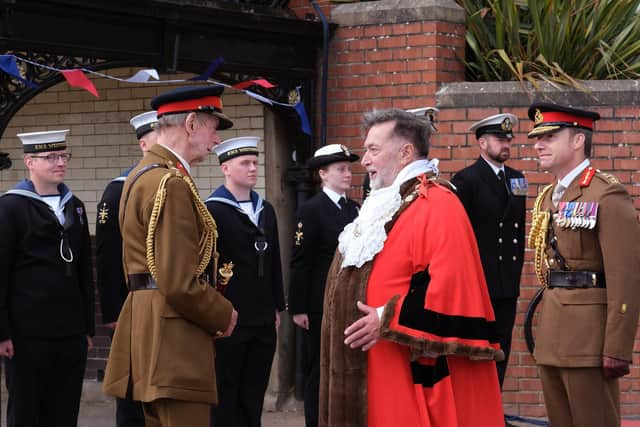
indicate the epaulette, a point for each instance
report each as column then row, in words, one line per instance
column 443, row 182
column 607, row 177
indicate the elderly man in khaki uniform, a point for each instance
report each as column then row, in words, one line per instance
column 163, row 347
column 585, row 233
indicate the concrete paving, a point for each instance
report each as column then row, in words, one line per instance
column 98, row 410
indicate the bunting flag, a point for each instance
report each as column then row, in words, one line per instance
column 76, row 78
column 143, row 76
column 260, row 82
column 213, row 66
column 9, row 65
column 304, row 120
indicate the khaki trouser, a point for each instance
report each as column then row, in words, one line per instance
column 580, row 397
column 176, row 413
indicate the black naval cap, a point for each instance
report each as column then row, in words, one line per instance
column 549, row 117
column 331, row 153
column 499, row 124
column 205, row 99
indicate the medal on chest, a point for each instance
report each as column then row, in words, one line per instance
column 575, row 215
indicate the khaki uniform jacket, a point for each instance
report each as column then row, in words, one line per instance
column 578, row 326
column 163, row 344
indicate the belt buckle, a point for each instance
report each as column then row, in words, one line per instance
column 594, row 280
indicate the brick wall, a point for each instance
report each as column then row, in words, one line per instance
column 389, row 54
column 103, row 144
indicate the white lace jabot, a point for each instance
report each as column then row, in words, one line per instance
column 361, row 240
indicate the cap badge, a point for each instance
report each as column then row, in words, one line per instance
column 538, row 118
column 506, row 124
column 345, row 150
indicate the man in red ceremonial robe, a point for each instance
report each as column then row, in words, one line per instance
column 408, row 337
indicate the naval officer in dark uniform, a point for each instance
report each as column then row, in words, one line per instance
column 111, row 282
column 248, row 238
column 46, row 288
column 585, row 233
column 494, row 197
column 319, row 222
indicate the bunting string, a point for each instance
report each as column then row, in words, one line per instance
column 77, row 77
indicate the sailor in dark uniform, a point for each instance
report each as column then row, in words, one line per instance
column 319, row 222
column 494, row 197
column 248, row 238
column 111, row 282
column 46, row 288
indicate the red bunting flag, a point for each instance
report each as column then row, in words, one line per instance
column 259, row 82
column 76, row 78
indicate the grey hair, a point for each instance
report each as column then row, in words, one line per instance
column 417, row 130
column 170, row 120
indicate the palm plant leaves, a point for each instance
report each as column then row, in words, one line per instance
column 557, row 41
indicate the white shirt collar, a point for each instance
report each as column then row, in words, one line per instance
column 182, row 160
column 333, row 195
column 568, row 178
column 495, row 168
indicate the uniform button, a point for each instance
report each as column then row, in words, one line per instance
column 552, row 261
column 500, row 225
column 515, row 241
column 514, row 258
column 499, row 257
column 499, row 239
column 515, row 225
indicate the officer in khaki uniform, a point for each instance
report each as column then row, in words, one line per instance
column 163, row 347
column 585, row 233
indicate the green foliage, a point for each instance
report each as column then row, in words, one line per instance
column 558, row 41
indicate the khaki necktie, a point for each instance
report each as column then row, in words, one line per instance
column 558, row 191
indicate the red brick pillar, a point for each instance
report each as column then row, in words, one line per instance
column 390, row 53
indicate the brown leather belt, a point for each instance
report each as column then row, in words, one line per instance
column 141, row 281
column 575, row 279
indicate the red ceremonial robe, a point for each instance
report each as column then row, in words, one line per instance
column 434, row 365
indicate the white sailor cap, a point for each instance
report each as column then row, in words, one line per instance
column 144, row 123
column 498, row 124
column 428, row 112
column 38, row 142
column 331, row 153
column 234, row 147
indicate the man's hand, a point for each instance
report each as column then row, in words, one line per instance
column 111, row 325
column 614, row 368
column 277, row 320
column 89, row 343
column 364, row 332
column 6, row 348
column 301, row 320
column 232, row 324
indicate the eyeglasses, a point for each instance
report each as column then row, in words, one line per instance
column 53, row 158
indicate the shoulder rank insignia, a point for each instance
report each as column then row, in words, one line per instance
column 299, row 235
column 577, row 215
column 103, row 214
column 587, row 176
column 608, row 177
column 519, row 186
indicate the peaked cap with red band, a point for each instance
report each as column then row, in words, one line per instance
column 203, row 99
column 551, row 117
